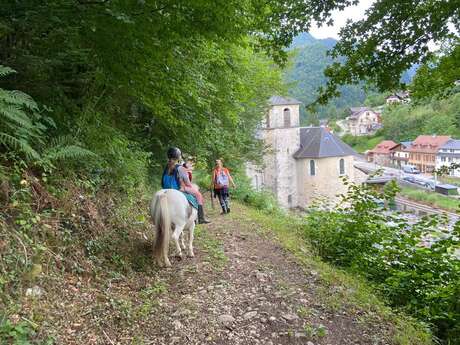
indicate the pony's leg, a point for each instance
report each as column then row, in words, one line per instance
column 182, row 243
column 176, row 234
column 191, row 231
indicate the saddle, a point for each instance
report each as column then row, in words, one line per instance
column 191, row 200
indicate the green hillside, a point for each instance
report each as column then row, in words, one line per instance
column 305, row 74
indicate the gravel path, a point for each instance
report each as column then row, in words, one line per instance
column 243, row 288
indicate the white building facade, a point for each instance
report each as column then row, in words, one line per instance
column 363, row 121
column 449, row 153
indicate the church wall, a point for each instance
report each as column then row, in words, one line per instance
column 326, row 183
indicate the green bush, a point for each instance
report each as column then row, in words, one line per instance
column 416, row 266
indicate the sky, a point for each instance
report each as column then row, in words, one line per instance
column 340, row 18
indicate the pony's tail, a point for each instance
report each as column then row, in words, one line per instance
column 162, row 221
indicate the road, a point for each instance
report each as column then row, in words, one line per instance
column 343, row 126
column 416, row 180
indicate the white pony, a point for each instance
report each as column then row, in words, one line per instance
column 170, row 210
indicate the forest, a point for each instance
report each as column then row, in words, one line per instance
column 92, row 94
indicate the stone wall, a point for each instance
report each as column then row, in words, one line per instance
column 286, row 143
column 326, row 183
column 278, row 173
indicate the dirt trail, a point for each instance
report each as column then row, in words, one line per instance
column 241, row 288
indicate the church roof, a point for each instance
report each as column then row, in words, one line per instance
column 317, row 142
column 279, row 100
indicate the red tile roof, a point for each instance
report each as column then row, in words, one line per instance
column 428, row 143
column 383, row 147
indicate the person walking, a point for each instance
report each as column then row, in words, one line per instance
column 221, row 179
column 175, row 176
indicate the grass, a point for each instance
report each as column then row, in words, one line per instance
column 362, row 143
column 450, row 180
column 431, row 198
column 356, row 294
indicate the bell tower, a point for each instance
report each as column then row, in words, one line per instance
column 281, row 134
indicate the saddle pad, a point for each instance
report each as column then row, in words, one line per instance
column 191, row 200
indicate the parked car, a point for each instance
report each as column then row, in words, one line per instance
column 410, row 179
column 430, row 184
column 421, row 182
column 409, row 169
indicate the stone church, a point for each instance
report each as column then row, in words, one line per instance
column 300, row 164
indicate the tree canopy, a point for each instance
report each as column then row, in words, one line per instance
column 195, row 74
column 389, row 40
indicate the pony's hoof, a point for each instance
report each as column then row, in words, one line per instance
column 191, row 255
column 167, row 264
column 179, row 256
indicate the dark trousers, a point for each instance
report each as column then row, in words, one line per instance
column 223, row 196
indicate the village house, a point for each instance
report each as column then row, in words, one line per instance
column 363, row 121
column 449, row 153
column 381, row 153
column 400, row 154
column 398, row 97
column 423, row 151
column 301, row 164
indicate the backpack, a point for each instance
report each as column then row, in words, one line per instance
column 222, row 178
column 171, row 181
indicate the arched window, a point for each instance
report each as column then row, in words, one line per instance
column 312, row 168
column 287, row 117
column 342, row 166
column 267, row 120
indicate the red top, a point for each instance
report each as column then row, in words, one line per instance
column 214, row 176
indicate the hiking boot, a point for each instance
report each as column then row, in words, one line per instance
column 201, row 219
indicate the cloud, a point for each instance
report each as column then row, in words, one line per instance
column 340, row 19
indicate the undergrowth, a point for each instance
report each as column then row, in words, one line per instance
column 55, row 230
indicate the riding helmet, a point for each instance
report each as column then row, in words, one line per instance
column 174, row 153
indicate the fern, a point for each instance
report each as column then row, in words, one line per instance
column 19, row 144
column 18, row 98
column 20, row 125
column 4, row 71
column 14, row 114
column 17, row 126
column 69, row 152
